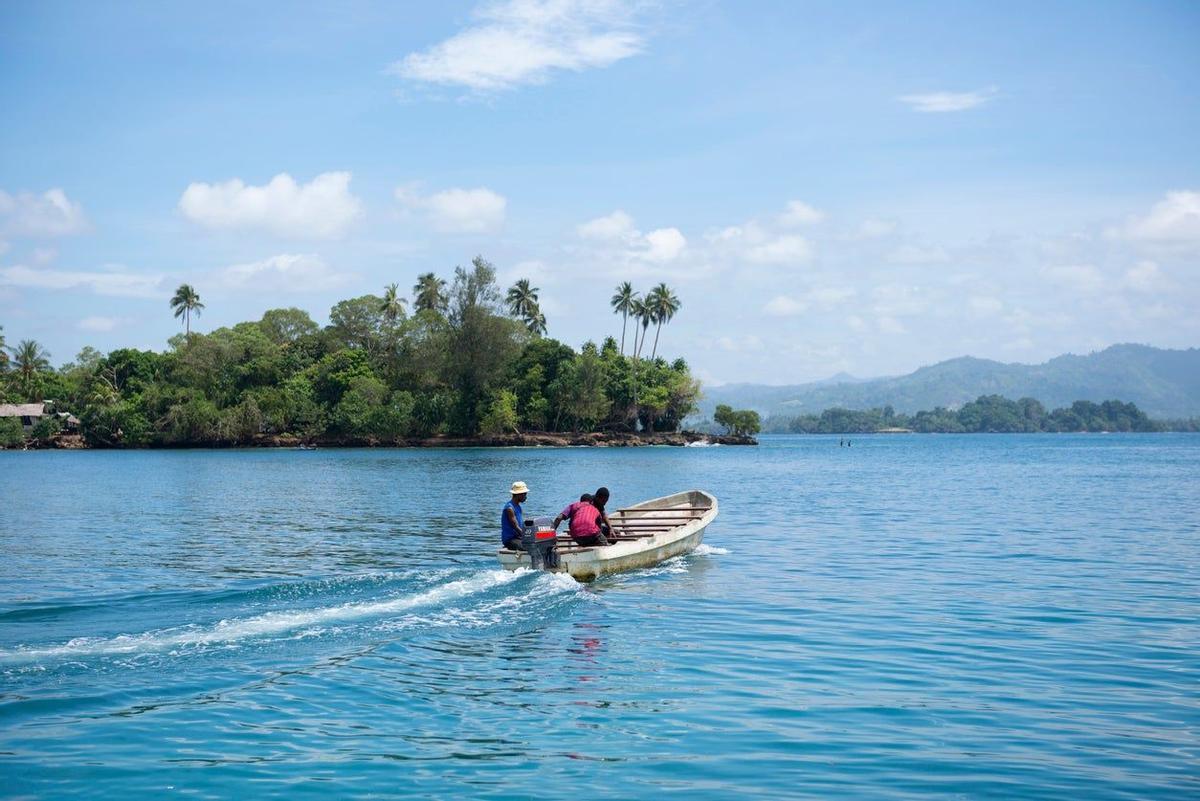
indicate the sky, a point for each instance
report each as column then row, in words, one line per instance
column 828, row 187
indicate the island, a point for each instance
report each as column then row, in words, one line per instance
column 469, row 364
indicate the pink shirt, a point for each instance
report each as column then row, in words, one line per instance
column 583, row 517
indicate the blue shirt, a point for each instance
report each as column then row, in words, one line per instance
column 507, row 532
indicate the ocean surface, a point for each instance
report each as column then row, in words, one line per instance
column 979, row 616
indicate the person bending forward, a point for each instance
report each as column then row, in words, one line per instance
column 584, row 519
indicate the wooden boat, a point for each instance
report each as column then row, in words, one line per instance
column 646, row 534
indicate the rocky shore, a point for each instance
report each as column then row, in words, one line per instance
column 544, row 439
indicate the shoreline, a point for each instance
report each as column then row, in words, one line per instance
column 529, row 439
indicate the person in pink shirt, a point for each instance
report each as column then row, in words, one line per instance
column 584, row 518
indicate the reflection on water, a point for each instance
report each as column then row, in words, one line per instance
column 949, row 616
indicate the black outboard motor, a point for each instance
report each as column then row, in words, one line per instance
column 538, row 537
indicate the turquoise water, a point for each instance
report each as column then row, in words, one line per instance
column 912, row 617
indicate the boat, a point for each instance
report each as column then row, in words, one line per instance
column 646, row 533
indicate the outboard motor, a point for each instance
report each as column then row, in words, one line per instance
column 538, row 537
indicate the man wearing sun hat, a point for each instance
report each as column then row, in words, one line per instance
column 512, row 519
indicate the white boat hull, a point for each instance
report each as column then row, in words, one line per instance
column 587, row 564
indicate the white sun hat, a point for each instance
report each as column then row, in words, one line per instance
column 518, row 487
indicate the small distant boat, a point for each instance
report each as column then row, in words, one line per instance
column 647, row 533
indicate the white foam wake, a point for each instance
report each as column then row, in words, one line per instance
column 704, row 549
column 266, row 624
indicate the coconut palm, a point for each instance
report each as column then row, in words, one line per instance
column 185, row 302
column 642, row 313
column 665, row 305
column 429, row 293
column 3, row 351
column 30, row 359
column 393, row 304
column 522, row 299
column 622, row 303
column 536, row 322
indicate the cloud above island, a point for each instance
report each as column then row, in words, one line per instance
column 944, row 102
column 50, row 214
column 1174, row 220
column 116, row 281
column 457, row 211
column 287, row 272
column 323, row 208
column 525, row 42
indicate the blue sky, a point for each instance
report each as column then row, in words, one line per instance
column 861, row 187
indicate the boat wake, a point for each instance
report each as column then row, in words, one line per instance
column 481, row 598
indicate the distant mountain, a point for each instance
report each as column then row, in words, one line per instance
column 1163, row 383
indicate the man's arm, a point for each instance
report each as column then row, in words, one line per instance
column 512, row 518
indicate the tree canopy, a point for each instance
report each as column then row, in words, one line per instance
column 465, row 362
column 985, row 414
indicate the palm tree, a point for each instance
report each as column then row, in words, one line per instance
column 643, row 313
column 665, row 306
column 3, row 351
column 30, row 359
column 536, row 322
column 622, row 303
column 393, row 304
column 185, row 302
column 522, row 299
column 429, row 293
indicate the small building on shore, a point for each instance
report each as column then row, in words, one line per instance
column 30, row 414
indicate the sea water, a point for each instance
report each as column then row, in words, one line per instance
column 908, row 617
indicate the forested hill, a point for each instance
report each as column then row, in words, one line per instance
column 1163, row 383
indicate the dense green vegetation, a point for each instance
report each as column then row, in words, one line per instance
column 988, row 413
column 468, row 360
column 740, row 422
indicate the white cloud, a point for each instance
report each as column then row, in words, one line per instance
column 323, row 208
column 664, row 244
column 287, row 272
column 798, row 213
column 116, row 282
column 1144, row 277
column 99, row 323
column 890, row 325
column 825, row 298
column 781, row 250
column 1080, row 277
column 1174, row 219
column 784, row 306
column 617, row 225
column 51, row 213
column 617, row 229
column 458, row 211
column 940, row 102
column 524, row 42
column 761, row 242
